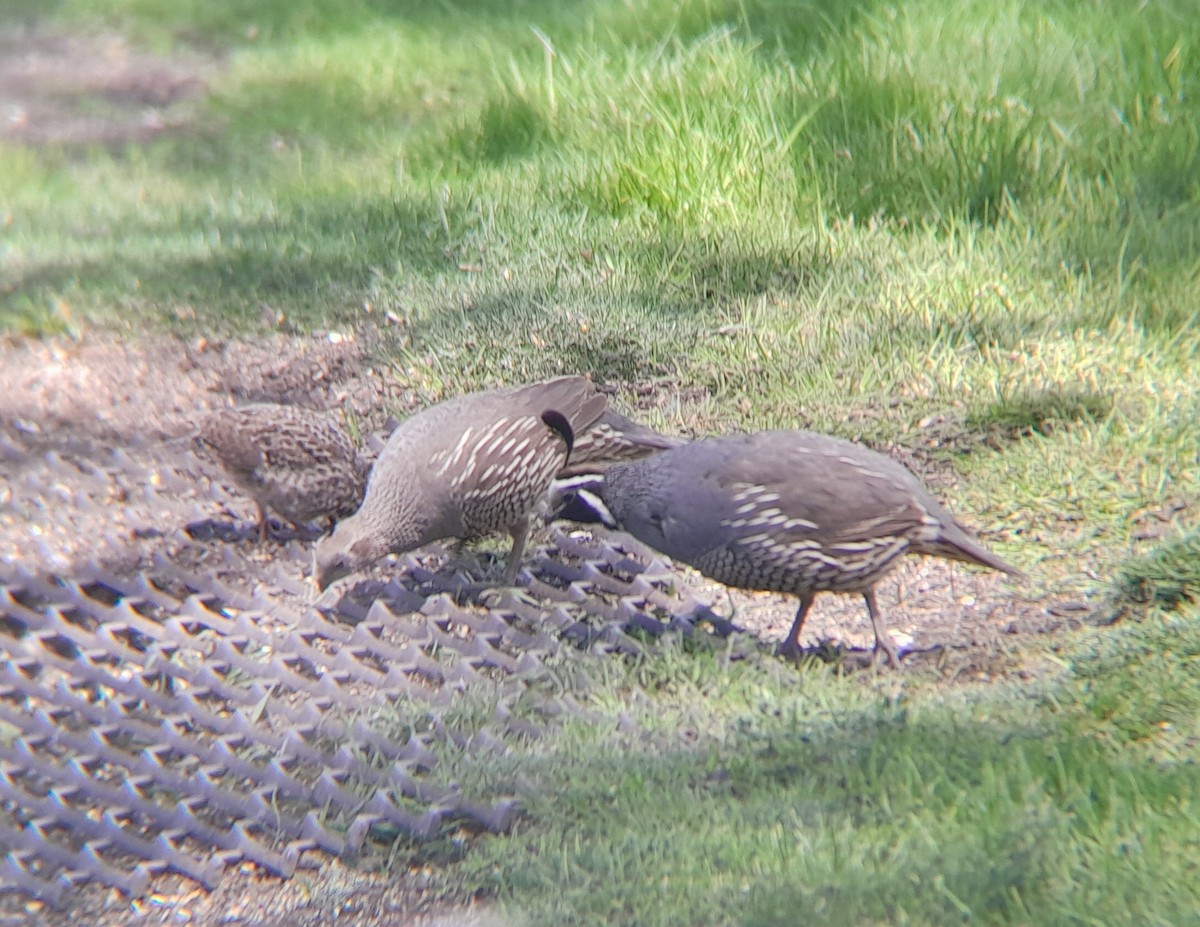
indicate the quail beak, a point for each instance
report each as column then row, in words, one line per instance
column 324, row 578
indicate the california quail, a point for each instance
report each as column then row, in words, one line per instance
column 785, row 511
column 478, row 465
column 297, row 463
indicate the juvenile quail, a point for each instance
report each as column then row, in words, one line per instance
column 478, row 465
column 299, row 464
column 784, row 511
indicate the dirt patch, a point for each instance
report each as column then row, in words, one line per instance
column 333, row 894
column 100, row 392
column 67, row 406
column 58, row 89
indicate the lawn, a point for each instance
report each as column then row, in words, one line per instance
column 970, row 229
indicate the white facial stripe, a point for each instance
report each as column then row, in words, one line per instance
column 584, row 481
column 596, row 504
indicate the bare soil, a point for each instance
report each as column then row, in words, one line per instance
column 72, row 412
column 80, row 91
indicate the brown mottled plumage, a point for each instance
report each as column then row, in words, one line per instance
column 785, row 511
column 299, row 464
column 478, row 465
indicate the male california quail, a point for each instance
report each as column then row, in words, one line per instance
column 478, row 465
column 785, row 511
column 297, row 463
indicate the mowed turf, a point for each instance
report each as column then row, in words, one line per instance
column 966, row 228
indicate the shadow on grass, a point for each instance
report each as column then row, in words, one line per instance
column 871, row 817
column 520, row 333
column 1168, row 576
column 993, row 427
column 318, row 259
column 631, row 308
column 1041, row 412
column 1013, row 832
column 573, row 311
column 315, row 261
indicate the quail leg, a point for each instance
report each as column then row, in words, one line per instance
column 520, row 533
column 883, row 640
column 262, row 523
column 791, row 646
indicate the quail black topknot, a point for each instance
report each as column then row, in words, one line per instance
column 784, row 511
column 297, row 463
column 478, row 465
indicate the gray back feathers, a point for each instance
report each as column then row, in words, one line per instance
column 790, row 511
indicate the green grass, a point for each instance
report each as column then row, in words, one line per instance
column 703, row 791
column 967, row 227
column 1165, row 575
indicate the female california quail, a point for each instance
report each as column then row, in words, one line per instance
column 299, row 464
column 785, row 511
column 478, row 465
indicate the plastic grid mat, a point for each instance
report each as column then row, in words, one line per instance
column 166, row 722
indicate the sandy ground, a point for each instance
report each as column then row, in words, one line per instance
column 93, row 90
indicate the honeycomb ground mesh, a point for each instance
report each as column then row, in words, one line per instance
column 163, row 721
